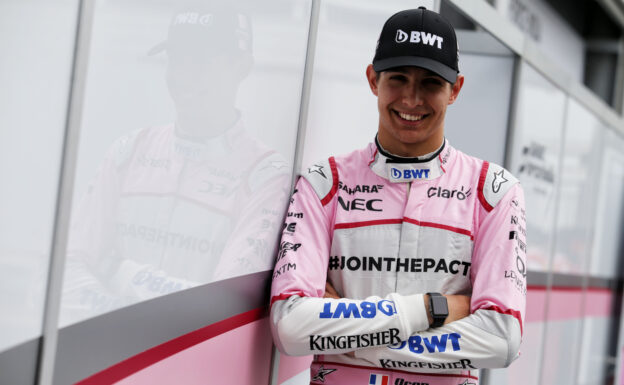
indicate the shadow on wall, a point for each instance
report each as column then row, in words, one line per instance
column 188, row 203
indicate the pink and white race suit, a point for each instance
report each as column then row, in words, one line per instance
column 383, row 231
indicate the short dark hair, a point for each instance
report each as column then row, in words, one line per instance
column 377, row 73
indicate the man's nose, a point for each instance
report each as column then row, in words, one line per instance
column 412, row 96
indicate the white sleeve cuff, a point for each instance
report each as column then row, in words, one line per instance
column 414, row 313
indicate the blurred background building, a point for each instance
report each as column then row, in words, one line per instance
column 148, row 149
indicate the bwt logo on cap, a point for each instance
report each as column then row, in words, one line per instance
column 419, row 37
column 193, row 18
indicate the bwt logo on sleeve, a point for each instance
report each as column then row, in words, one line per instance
column 419, row 37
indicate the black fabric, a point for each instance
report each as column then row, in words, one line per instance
column 421, row 38
column 399, row 159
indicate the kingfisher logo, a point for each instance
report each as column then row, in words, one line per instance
column 378, row 379
column 409, row 173
column 419, row 37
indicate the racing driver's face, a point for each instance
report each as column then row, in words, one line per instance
column 412, row 104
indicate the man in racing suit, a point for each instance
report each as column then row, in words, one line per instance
column 373, row 237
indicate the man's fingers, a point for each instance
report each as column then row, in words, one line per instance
column 330, row 292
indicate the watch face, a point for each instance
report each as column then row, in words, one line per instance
column 439, row 306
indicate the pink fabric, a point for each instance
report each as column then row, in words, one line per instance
column 241, row 356
column 290, row 366
column 352, row 374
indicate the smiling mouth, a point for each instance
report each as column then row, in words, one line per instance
column 410, row 117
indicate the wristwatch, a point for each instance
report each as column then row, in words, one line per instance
column 438, row 308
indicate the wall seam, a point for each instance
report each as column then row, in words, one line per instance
column 62, row 215
column 553, row 247
column 304, row 106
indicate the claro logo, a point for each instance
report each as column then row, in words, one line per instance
column 440, row 192
column 419, row 37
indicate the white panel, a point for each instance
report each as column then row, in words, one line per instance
column 608, row 246
column 477, row 122
column 595, row 360
column 561, row 351
column 187, row 141
column 523, row 370
column 578, row 188
column 535, row 158
column 37, row 42
column 555, row 38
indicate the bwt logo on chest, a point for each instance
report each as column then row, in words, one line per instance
column 419, row 37
column 410, row 174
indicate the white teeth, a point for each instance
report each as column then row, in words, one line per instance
column 412, row 118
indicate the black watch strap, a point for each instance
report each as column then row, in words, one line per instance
column 438, row 308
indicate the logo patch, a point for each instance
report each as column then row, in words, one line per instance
column 317, row 169
column 378, row 379
column 397, row 173
column 441, row 192
column 499, row 179
column 419, row 37
column 322, row 372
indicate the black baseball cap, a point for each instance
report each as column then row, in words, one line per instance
column 210, row 27
column 420, row 38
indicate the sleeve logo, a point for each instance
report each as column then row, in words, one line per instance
column 317, row 169
column 378, row 379
column 351, row 310
column 499, row 179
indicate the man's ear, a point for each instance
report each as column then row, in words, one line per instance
column 455, row 88
column 371, row 75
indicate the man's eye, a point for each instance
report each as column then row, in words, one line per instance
column 433, row 81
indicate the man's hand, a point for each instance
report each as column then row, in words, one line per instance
column 458, row 307
column 330, row 292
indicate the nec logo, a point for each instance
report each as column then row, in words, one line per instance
column 419, row 37
column 359, row 204
column 409, row 174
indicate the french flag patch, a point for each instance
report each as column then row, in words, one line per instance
column 378, row 379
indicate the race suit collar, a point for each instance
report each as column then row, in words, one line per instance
column 401, row 169
column 213, row 147
column 391, row 158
